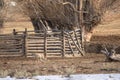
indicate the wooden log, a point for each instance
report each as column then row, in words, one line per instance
column 14, row 32
column 36, row 48
column 10, row 53
column 53, row 54
column 52, row 51
column 29, row 43
column 53, row 44
column 35, row 52
column 35, row 40
column 45, row 44
column 34, row 37
column 8, row 48
column 36, row 34
column 40, row 50
column 63, row 43
column 25, row 43
column 10, row 45
column 55, row 47
column 53, row 38
column 11, row 50
column 36, row 45
column 50, row 42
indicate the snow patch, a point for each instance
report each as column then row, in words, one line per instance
column 73, row 77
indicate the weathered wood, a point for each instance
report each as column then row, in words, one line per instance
column 77, row 39
column 42, row 48
column 29, row 43
column 70, row 47
column 51, row 42
column 25, row 43
column 36, row 52
column 10, row 53
column 34, row 37
column 45, row 44
column 76, row 46
column 14, row 32
column 35, row 45
column 9, row 45
column 63, row 43
column 53, row 51
column 54, row 47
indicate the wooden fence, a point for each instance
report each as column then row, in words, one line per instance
column 11, row 45
column 45, row 43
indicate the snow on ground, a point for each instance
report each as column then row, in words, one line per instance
column 73, row 77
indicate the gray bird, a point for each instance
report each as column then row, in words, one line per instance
column 111, row 55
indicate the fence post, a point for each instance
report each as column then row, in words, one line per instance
column 63, row 43
column 14, row 32
column 25, row 43
column 45, row 43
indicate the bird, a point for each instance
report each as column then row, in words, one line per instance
column 114, row 56
column 111, row 55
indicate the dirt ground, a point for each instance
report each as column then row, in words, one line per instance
column 89, row 64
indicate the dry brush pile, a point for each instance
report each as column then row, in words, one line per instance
column 64, row 13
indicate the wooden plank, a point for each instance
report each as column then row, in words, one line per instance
column 53, row 51
column 10, row 53
column 35, row 45
column 56, row 47
column 36, row 34
column 35, row 37
column 34, row 51
column 10, row 46
column 11, row 35
column 35, row 48
column 11, row 43
column 54, row 38
column 34, row 40
column 40, row 50
column 53, row 54
column 53, row 44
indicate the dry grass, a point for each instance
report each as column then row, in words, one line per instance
column 108, row 28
